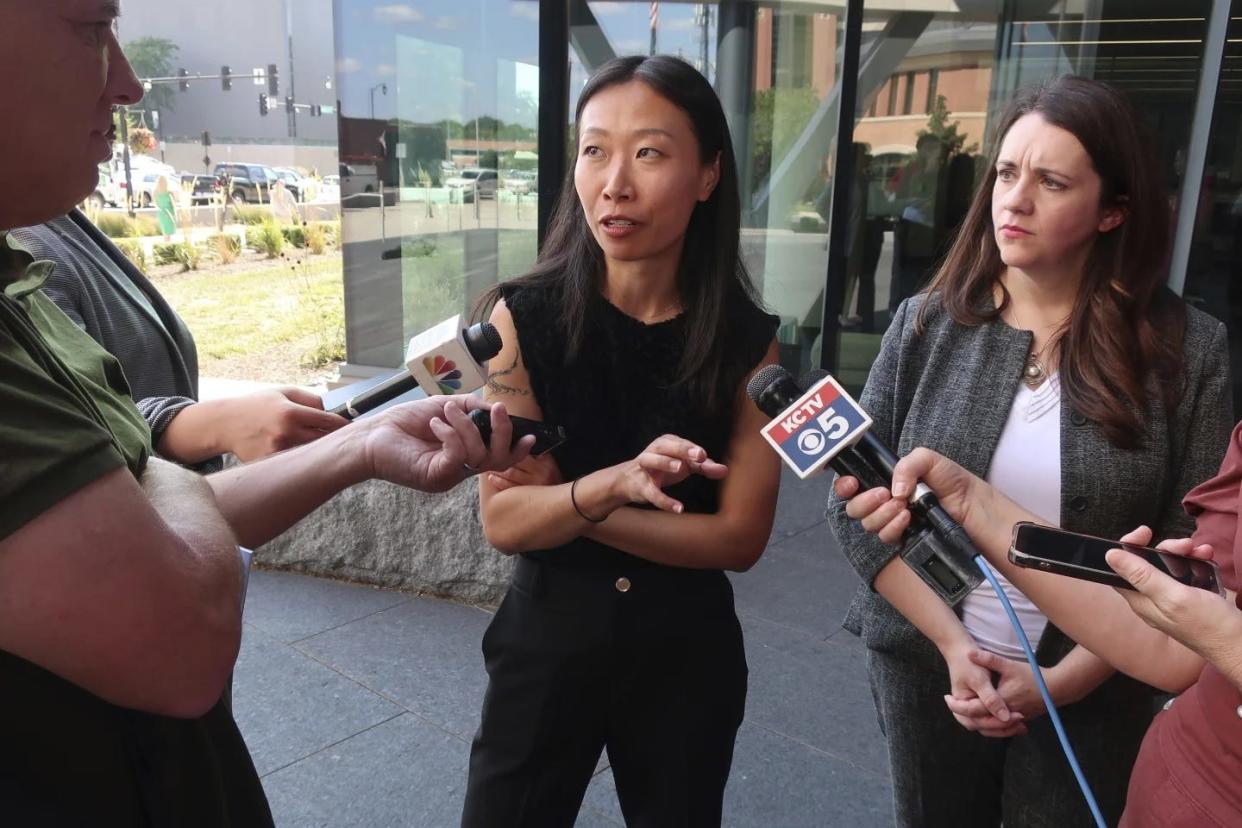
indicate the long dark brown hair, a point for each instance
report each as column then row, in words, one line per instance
column 712, row 280
column 1124, row 335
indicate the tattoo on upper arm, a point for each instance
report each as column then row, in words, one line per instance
column 495, row 385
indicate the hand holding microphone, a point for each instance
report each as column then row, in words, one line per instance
column 823, row 426
column 448, row 359
column 432, row 444
column 445, row 359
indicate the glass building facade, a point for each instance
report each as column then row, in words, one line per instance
column 859, row 125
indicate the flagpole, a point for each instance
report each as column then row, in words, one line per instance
column 655, row 15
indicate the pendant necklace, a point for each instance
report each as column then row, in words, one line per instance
column 1034, row 373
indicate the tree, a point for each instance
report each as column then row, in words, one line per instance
column 153, row 57
column 938, row 125
column 780, row 116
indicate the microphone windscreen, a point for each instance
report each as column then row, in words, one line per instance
column 483, row 341
column 763, row 380
column 813, row 376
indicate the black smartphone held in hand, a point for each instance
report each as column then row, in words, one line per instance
column 1082, row 556
column 547, row 437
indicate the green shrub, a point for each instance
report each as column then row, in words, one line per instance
column 325, row 353
column 295, row 235
column 226, row 246
column 115, row 225
column 252, row 216
column 146, row 226
column 266, row 238
column 183, row 253
column 332, row 229
column 316, row 238
column 165, row 254
column 189, row 254
column 132, row 248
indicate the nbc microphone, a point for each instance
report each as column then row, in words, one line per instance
column 445, row 359
column 824, row 426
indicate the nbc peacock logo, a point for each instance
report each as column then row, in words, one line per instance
column 445, row 372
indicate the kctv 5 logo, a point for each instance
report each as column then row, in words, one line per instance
column 816, row 427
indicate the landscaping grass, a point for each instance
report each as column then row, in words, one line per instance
column 262, row 323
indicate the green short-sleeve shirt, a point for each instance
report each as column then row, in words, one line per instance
column 68, row 757
column 66, row 417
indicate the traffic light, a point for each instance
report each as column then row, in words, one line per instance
column 226, row 78
column 263, row 104
column 288, row 103
column 273, row 80
column 183, row 84
column 206, row 138
column 316, row 110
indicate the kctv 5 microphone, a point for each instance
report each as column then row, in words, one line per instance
column 446, row 359
column 824, row 426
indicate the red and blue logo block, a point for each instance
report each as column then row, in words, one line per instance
column 445, row 372
column 818, row 425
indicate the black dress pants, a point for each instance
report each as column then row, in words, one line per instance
column 646, row 663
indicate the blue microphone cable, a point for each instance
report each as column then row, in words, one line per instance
column 1043, row 691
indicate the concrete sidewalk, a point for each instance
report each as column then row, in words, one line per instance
column 359, row 704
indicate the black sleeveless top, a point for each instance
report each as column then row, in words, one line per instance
column 620, row 392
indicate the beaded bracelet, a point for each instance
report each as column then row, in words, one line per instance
column 574, row 501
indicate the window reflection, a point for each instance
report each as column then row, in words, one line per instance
column 439, row 152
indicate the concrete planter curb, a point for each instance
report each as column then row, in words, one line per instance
column 386, row 535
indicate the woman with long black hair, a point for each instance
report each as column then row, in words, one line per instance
column 636, row 331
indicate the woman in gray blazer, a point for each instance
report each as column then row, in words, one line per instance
column 1048, row 357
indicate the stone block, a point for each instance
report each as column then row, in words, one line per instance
column 390, row 536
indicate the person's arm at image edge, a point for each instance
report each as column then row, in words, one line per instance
column 424, row 445
column 131, row 591
column 250, row 426
column 1109, row 629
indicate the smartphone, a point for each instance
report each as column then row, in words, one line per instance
column 547, row 437
column 1082, row 556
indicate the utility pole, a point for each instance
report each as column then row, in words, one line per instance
column 704, row 13
column 123, row 113
column 293, row 114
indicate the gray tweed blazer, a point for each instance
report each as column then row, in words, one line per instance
column 951, row 390
column 109, row 298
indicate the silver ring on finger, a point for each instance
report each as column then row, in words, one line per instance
column 471, row 470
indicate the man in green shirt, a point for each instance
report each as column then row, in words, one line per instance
column 120, row 582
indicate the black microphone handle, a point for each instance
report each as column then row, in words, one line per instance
column 376, row 396
column 934, row 546
column 924, row 503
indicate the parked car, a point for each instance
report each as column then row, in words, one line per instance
column 475, row 180
column 519, row 181
column 144, row 187
column 356, row 182
column 246, row 182
column 330, row 190
column 201, row 188
column 294, row 182
column 144, row 171
column 106, row 193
